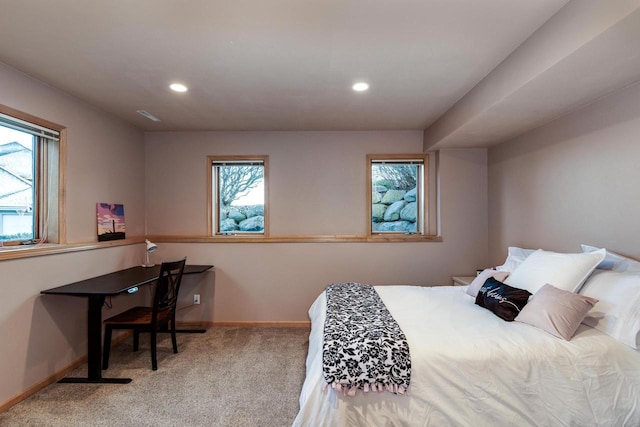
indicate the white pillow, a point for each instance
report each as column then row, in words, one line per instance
column 515, row 256
column 556, row 311
column 479, row 280
column 618, row 312
column 614, row 261
column 564, row 271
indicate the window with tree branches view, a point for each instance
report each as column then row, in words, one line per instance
column 398, row 194
column 239, row 195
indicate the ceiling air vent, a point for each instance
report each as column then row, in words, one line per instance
column 148, row 115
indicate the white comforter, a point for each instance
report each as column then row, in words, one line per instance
column 471, row 368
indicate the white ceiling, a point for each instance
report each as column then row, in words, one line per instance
column 288, row 64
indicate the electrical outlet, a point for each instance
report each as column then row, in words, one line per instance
column 196, row 298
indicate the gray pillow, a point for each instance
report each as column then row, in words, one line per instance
column 556, row 311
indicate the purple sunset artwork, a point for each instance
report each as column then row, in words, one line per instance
column 110, row 221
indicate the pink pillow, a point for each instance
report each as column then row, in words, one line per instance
column 477, row 283
column 556, row 311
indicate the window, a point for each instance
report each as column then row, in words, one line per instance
column 238, row 194
column 29, row 178
column 398, row 199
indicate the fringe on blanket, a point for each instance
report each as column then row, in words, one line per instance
column 351, row 391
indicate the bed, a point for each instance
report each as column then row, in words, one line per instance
column 470, row 367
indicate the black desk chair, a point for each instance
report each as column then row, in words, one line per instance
column 150, row 319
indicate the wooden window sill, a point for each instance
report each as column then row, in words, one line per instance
column 28, row 251
column 312, row 238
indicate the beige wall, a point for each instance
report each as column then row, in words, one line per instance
column 534, row 83
column 105, row 163
column 105, row 159
column 325, row 172
column 572, row 181
column 253, row 282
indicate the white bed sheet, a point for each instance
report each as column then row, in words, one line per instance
column 471, row 368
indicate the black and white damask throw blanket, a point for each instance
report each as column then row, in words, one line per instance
column 364, row 347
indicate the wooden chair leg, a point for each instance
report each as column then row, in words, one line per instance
column 107, row 347
column 174, row 341
column 154, row 359
column 136, row 339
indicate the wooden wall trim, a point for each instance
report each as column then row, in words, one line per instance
column 296, row 239
column 28, row 251
column 260, row 324
column 55, row 377
column 41, row 384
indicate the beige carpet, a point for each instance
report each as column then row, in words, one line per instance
column 227, row 376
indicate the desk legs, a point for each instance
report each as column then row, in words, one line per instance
column 94, row 347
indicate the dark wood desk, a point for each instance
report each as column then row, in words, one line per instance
column 96, row 289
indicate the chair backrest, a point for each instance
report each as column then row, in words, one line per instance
column 168, row 286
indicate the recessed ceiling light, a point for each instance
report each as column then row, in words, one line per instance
column 360, row 86
column 177, row 87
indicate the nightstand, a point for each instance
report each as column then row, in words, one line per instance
column 462, row 280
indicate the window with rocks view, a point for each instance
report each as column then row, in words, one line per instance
column 397, row 194
column 239, row 195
